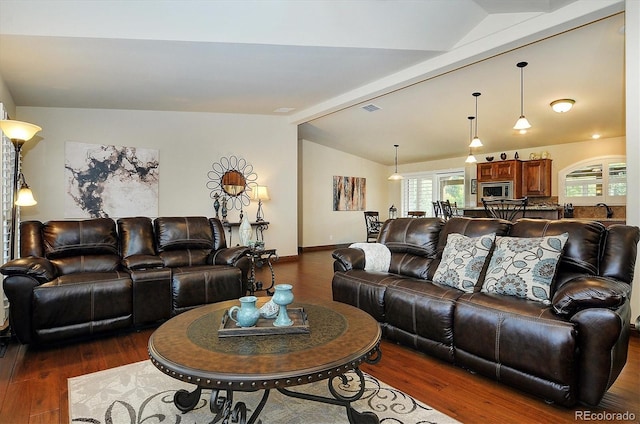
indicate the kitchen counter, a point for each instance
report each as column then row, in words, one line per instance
column 529, row 208
column 604, row 221
column 534, row 211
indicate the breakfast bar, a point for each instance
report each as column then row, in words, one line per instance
column 534, row 211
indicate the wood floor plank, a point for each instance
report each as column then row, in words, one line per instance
column 40, row 374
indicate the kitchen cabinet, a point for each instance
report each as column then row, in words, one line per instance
column 536, row 178
column 506, row 170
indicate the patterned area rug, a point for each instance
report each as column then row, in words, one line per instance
column 140, row 393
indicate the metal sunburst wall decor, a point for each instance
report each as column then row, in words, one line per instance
column 231, row 182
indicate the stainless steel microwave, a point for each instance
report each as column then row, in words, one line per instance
column 496, row 190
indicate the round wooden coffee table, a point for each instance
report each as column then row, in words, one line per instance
column 341, row 337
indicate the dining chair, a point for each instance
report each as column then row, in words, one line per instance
column 505, row 208
column 447, row 210
column 372, row 220
column 437, row 210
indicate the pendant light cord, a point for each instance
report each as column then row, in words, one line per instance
column 521, row 65
column 396, row 146
column 476, row 95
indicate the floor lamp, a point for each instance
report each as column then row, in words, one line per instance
column 19, row 133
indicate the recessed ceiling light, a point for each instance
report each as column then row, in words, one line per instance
column 562, row 105
column 595, row 136
column 284, row 109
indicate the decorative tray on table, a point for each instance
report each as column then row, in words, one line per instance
column 264, row 326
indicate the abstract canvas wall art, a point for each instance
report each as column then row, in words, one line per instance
column 349, row 193
column 110, row 181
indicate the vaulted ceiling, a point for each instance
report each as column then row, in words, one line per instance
column 317, row 63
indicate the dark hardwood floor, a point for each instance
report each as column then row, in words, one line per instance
column 33, row 382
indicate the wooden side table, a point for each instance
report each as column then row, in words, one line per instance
column 258, row 258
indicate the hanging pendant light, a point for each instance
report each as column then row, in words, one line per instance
column 476, row 142
column 470, row 158
column 522, row 123
column 25, row 195
column 395, row 175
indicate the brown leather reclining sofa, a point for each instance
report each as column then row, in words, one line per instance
column 78, row 278
column 566, row 352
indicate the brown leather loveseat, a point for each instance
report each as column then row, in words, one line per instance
column 567, row 349
column 78, row 278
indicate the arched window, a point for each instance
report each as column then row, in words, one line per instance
column 595, row 180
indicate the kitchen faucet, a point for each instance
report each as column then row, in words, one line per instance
column 609, row 210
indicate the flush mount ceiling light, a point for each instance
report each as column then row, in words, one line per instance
column 471, row 158
column 562, row 105
column 522, row 123
column 475, row 142
column 395, row 175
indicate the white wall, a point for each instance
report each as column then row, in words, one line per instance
column 7, row 99
column 320, row 225
column 189, row 143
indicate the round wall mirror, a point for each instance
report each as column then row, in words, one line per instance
column 233, row 179
column 233, row 183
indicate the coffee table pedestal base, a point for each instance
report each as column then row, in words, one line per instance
column 223, row 408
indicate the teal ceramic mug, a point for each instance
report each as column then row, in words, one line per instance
column 247, row 314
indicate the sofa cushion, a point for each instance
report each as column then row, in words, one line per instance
column 583, row 250
column 519, row 342
column 524, row 267
column 136, row 236
column 377, row 256
column 463, row 260
column 412, row 243
column 422, row 309
column 364, row 290
column 87, row 263
column 194, row 286
column 84, row 298
column 74, row 238
column 187, row 257
column 177, row 233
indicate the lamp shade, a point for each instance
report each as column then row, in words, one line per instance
column 522, row 124
column 476, row 142
column 260, row 193
column 18, row 130
column 25, row 197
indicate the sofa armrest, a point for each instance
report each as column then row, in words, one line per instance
column 140, row 262
column 228, row 256
column 603, row 341
column 589, row 292
column 39, row 268
column 19, row 290
column 348, row 258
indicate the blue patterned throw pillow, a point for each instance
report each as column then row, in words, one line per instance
column 524, row 267
column 462, row 260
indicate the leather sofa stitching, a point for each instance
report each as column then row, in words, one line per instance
column 546, row 321
column 93, row 300
column 497, row 344
column 413, row 318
